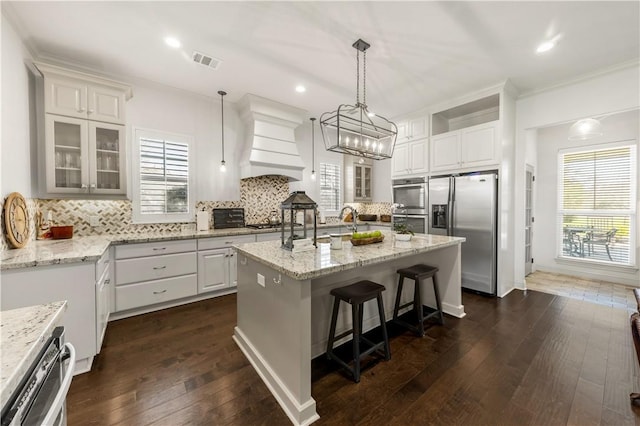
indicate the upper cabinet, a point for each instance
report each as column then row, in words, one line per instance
column 410, row 155
column 412, row 128
column 81, row 99
column 85, row 138
column 466, row 137
column 358, row 179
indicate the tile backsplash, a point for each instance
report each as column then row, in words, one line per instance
column 258, row 196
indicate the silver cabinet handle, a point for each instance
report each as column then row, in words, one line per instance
column 159, row 248
column 92, row 186
column 232, row 254
column 83, row 186
column 80, row 109
column 159, row 267
column 279, row 280
column 90, row 111
column 107, row 281
column 243, row 261
column 160, row 292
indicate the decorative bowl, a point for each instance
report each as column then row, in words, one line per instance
column 365, row 241
column 403, row 237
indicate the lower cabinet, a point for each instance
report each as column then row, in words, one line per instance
column 155, row 273
column 214, row 270
column 75, row 283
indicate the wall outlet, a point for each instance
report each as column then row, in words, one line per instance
column 94, row 221
column 261, row 280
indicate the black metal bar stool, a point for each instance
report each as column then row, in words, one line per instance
column 418, row 273
column 356, row 294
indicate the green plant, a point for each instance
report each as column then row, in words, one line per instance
column 402, row 228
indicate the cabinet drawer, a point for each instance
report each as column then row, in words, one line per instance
column 151, row 249
column 220, row 242
column 157, row 291
column 155, row 267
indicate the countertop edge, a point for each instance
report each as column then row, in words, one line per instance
column 122, row 239
column 12, row 381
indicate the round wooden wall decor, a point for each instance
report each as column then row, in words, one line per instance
column 16, row 220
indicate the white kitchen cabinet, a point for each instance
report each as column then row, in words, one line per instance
column 104, row 287
column 157, row 273
column 84, row 157
column 75, row 283
column 412, row 128
column 466, row 148
column 217, row 261
column 80, row 95
column 213, row 270
column 85, row 140
column 362, row 182
column 410, row 158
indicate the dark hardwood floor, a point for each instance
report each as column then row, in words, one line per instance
column 527, row 359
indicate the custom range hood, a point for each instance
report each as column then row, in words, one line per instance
column 270, row 146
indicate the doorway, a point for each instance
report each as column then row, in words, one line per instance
column 528, row 220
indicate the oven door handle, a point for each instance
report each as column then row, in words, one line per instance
column 61, row 396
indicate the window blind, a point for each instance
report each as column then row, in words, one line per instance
column 329, row 187
column 164, row 176
column 597, row 196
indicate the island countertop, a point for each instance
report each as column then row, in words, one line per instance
column 323, row 260
column 24, row 333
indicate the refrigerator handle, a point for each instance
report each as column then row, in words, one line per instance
column 450, row 202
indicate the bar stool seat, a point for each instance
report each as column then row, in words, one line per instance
column 418, row 273
column 356, row 295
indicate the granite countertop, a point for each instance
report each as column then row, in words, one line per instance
column 90, row 249
column 323, row 261
column 23, row 333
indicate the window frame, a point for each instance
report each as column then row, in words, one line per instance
column 329, row 212
column 137, row 216
column 631, row 212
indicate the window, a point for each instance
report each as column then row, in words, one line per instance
column 330, row 187
column 597, row 201
column 162, row 177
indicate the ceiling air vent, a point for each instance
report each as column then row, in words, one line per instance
column 206, row 60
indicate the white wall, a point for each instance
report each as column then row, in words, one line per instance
column 18, row 134
column 617, row 90
column 171, row 110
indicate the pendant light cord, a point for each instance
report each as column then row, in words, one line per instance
column 222, row 125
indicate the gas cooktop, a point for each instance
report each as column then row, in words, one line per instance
column 266, row 225
column 262, row 225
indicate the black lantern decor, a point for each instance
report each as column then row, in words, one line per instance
column 298, row 201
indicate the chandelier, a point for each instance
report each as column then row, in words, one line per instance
column 353, row 129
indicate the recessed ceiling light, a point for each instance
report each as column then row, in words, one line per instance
column 545, row 46
column 172, row 42
column 300, row 88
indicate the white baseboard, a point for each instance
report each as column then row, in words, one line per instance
column 83, row 366
column 299, row 414
column 456, row 311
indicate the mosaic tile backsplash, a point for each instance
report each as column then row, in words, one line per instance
column 258, row 196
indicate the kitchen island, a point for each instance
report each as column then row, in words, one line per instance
column 284, row 305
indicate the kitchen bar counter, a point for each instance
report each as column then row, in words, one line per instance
column 23, row 333
column 91, row 248
column 284, row 303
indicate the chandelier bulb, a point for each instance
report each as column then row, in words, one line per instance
column 223, row 166
column 313, row 175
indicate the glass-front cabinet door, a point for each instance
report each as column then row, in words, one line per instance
column 362, row 182
column 66, row 154
column 107, row 156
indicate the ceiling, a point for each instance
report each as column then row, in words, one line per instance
column 421, row 52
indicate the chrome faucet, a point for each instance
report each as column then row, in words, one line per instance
column 354, row 214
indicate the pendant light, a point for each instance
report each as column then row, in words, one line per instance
column 222, row 93
column 353, row 129
column 313, row 149
column 584, row 129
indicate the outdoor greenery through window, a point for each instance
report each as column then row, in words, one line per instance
column 597, row 200
column 162, row 187
column 329, row 187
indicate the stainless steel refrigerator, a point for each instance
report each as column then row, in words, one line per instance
column 466, row 206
